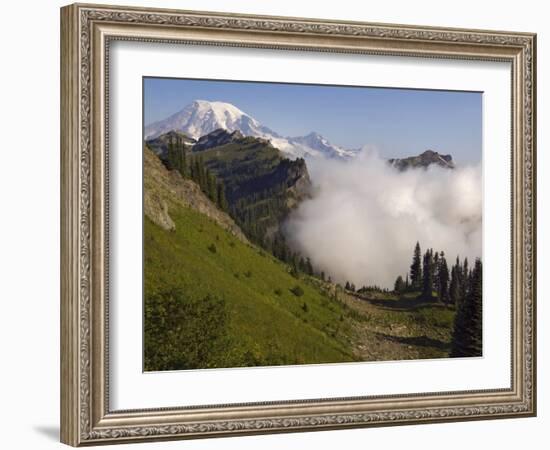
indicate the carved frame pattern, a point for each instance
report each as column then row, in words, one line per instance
column 86, row 418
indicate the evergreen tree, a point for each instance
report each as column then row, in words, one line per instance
column 193, row 170
column 399, row 285
column 454, row 289
column 179, row 157
column 467, row 332
column 348, row 286
column 211, row 186
column 203, row 182
column 416, row 268
column 172, row 153
column 427, row 269
column 407, row 282
column 222, row 199
column 294, row 266
column 309, row 266
column 302, row 265
column 435, row 271
column 464, row 273
column 322, row 275
column 183, row 162
column 443, row 279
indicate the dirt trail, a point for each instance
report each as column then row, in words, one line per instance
column 388, row 327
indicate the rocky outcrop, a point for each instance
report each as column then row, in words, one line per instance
column 160, row 144
column 216, row 138
column 424, row 160
column 162, row 186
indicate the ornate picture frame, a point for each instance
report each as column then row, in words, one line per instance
column 87, row 31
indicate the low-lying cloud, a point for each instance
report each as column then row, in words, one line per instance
column 365, row 217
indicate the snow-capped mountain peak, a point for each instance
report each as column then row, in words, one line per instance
column 201, row 117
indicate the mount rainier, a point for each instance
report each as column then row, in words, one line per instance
column 202, row 117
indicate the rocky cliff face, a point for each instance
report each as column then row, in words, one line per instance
column 161, row 187
column 424, row 160
column 261, row 185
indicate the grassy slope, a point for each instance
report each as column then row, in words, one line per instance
column 275, row 328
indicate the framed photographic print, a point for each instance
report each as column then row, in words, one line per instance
column 280, row 224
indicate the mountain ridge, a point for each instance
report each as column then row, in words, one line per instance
column 423, row 160
column 202, row 117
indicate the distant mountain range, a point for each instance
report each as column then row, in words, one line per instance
column 203, row 124
column 202, row 117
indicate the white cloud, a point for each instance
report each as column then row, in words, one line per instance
column 365, row 217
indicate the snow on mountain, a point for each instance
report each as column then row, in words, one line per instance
column 314, row 141
column 202, row 117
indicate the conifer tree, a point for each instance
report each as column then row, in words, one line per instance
column 416, row 268
column 211, row 186
column 435, row 271
column 454, row 288
column 464, row 273
column 172, row 153
column 427, row 269
column 309, row 266
column 294, row 266
column 443, row 279
column 222, row 199
column 467, row 332
column 399, row 285
column 182, row 159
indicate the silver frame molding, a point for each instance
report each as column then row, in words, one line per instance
column 86, row 32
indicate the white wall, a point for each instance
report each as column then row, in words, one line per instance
column 29, row 237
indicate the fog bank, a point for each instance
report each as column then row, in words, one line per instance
column 365, row 217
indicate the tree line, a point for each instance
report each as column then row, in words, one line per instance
column 193, row 168
column 460, row 286
column 430, row 274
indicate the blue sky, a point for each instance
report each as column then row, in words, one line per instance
column 398, row 122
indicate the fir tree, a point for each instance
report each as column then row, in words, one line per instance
column 309, row 266
column 464, row 274
column 211, row 186
column 416, row 268
column 454, row 288
column 435, row 271
column 427, row 269
column 222, row 199
column 443, row 279
column 183, row 162
column 399, row 285
column 467, row 332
